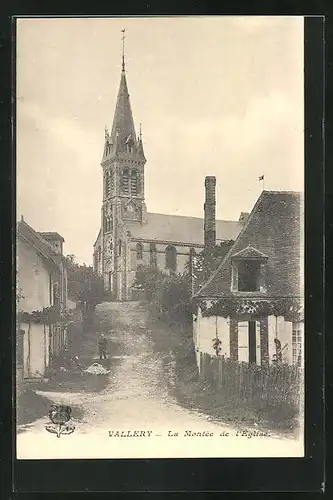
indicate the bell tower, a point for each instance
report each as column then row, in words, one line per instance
column 123, row 202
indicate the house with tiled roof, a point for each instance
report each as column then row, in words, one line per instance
column 253, row 302
column 41, row 284
column 129, row 236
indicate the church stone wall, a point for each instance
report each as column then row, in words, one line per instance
column 181, row 262
column 160, row 258
column 183, row 253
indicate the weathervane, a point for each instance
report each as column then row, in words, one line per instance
column 123, row 58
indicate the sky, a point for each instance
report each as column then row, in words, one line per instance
column 215, row 95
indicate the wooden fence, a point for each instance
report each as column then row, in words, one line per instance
column 244, row 382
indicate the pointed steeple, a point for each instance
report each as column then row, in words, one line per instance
column 123, row 131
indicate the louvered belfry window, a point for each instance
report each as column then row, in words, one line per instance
column 134, row 182
column 125, row 182
column 108, row 182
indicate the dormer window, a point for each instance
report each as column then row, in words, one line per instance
column 249, row 276
column 249, row 270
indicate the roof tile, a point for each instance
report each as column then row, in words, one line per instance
column 273, row 228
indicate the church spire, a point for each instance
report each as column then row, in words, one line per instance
column 123, row 132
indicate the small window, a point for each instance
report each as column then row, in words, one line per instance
column 139, row 251
column 171, row 258
column 119, row 247
column 107, row 224
column 249, row 276
column 297, row 344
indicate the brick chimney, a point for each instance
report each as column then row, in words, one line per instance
column 209, row 209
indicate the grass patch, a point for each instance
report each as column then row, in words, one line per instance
column 196, row 394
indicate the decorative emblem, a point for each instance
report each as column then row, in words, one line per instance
column 60, row 416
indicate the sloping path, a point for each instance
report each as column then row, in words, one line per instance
column 136, row 398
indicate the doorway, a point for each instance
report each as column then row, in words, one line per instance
column 249, row 342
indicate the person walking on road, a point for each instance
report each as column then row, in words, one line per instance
column 102, row 345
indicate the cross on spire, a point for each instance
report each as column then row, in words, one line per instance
column 123, row 57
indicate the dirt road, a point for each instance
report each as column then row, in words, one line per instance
column 136, row 397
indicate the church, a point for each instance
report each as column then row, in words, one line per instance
column 131, row 236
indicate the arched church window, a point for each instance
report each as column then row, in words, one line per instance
column 99, row 254
column 134, row 182
column 125, row 182
column 153, row 255
column 171, row 258
column 119, row 247
column 139, row 251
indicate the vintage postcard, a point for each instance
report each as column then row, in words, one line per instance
column 160, row 170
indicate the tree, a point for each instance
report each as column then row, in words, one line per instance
column 205, row 263
column 148, row 279
column 84, row 285
column 172, row 292
column 169, row 292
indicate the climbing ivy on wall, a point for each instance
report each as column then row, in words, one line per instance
column 230, row 306
column 48, row 315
